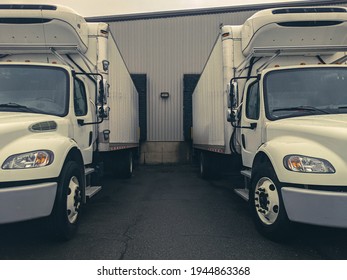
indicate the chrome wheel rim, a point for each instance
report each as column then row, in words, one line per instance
column 266, row 201
column 73, row 200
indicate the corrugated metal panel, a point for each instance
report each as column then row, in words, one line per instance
column 165, row 49
column 124, row 113
column 208, row 99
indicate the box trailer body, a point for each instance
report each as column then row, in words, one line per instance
column 67, row 102
column 273, row 94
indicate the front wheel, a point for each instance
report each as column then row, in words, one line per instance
column 65, row 215
column 266, row 204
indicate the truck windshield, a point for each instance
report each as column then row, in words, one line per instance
column 297, row 92
column 33, row 89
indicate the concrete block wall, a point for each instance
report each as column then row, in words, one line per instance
column 164, row 152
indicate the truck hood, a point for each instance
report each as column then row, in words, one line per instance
column 321, row 126
column 14, row 125
column 318, row 136
column 322, row 131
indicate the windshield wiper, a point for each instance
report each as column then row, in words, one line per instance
column 301, row 108
column 20, row 107
column 12, row 105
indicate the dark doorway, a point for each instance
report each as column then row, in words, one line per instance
column 189, row 84
column 140, row 82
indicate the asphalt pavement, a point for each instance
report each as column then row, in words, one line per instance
column 166, row 213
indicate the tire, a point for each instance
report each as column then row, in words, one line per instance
column 66, row 211
column 266, row 204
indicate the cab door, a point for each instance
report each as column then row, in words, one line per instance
column 250, row 123
column 84, row 133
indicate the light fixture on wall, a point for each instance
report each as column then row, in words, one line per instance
column 164, row 95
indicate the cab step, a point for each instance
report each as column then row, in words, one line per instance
column 92, row 190
column 247, row 173
column 88, row 171
column 243, row 193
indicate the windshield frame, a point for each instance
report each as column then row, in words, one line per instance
column 66, row 73
column 304, row 112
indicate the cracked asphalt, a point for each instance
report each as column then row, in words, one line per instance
column 165, row 213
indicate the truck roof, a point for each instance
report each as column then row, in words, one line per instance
column 319, row 29
column 37, row 28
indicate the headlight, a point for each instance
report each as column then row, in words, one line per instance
column 29, row 160
column 306, row 164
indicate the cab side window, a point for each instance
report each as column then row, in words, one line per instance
column 252, row 102
column 80, row 98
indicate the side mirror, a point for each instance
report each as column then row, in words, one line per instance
column 106, row 90
column 101, row 96
column 103, row 92
column 233, row 102
column 234, row 95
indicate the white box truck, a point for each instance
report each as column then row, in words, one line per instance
column 274, row 93
column 67, row 102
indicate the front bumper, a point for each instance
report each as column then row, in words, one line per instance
column 26, row 202
column 316, row 207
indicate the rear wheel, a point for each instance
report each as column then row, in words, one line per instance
column 125, row 165
column 208, row 169
column 266, row 204
column 66, row 211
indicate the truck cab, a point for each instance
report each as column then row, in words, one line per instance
column 54, row 113
column 43, row 109
column 293, row 127
column 282, row 83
